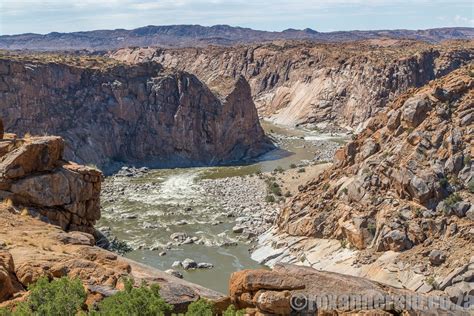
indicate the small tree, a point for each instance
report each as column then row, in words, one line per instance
column 145, row 300
column 61, row 297
column 200, row 307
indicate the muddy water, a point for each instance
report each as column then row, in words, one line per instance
column 149, row 208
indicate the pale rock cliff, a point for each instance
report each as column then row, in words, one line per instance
column 296, row 83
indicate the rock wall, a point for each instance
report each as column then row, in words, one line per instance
column 110, row 114
column 34, row 174
column 297, row 83
column 401, row 194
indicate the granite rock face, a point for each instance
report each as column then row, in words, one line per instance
column 309, row 83
column 395, row 205
column 34, row 174
column 113, row 114
column 294, row 290
column 397, row 182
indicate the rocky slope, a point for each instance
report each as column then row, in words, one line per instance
column 297, row 83
column 48, row 210
column 110, row 113
column 398, row 203
column 197, row 35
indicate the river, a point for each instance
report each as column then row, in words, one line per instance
column 145, row 211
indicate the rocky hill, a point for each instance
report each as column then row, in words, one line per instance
column 306, row 83
column 197, row 35
column 398, row 201
column 110, row 113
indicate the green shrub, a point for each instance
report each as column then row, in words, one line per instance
column 371, row 228
column 470, row 186
column 452, row 199
column 119, row 246
column 145, row 300
column 200, row 307
column 274, row 188
column 292, row 166
column 279, row 169
column 231, row 311
column 270, row 199
column 443, row 182
column 301, row 170
column 6, row 312
column 60, row 297
column 287, row 194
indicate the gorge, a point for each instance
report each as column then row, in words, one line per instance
column 286, row 168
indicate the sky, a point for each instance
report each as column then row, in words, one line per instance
column 28, row 16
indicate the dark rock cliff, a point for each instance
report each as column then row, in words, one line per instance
column 142, row 114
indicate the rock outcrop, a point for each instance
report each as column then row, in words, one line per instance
column 34, row 174
column 308, row 83
column 398, row 196
column 291, row 290
column 110, row 113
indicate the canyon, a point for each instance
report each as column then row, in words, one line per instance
column 342, row 167
column 112, row 114
column 295, row 83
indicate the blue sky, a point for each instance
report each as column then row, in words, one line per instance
column 22, row 16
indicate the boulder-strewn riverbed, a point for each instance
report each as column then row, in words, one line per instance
column 199, row 223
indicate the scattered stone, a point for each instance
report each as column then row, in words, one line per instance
column 437, row 257
column 189, row 264
column 205, row 265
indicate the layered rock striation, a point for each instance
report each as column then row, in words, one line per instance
column 307, row 83
column 111, row 114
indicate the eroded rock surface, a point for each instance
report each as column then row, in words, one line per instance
column 290, row 289
column 110, row 113
column 298, row 83
column 395, row 205
column 34, row 174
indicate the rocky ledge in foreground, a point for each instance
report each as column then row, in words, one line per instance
column 398, row 204
column 112, row 114
column 294, row 290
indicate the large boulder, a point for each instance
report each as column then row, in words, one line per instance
column 37, row 154
column 415, row 110
column 8, row 282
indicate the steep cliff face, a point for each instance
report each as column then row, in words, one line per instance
column 402, row 192
column 112, row 113
column 295, row 83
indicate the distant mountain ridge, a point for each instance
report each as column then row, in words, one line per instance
column 197, row 35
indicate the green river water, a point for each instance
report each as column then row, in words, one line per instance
column 146, row 219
